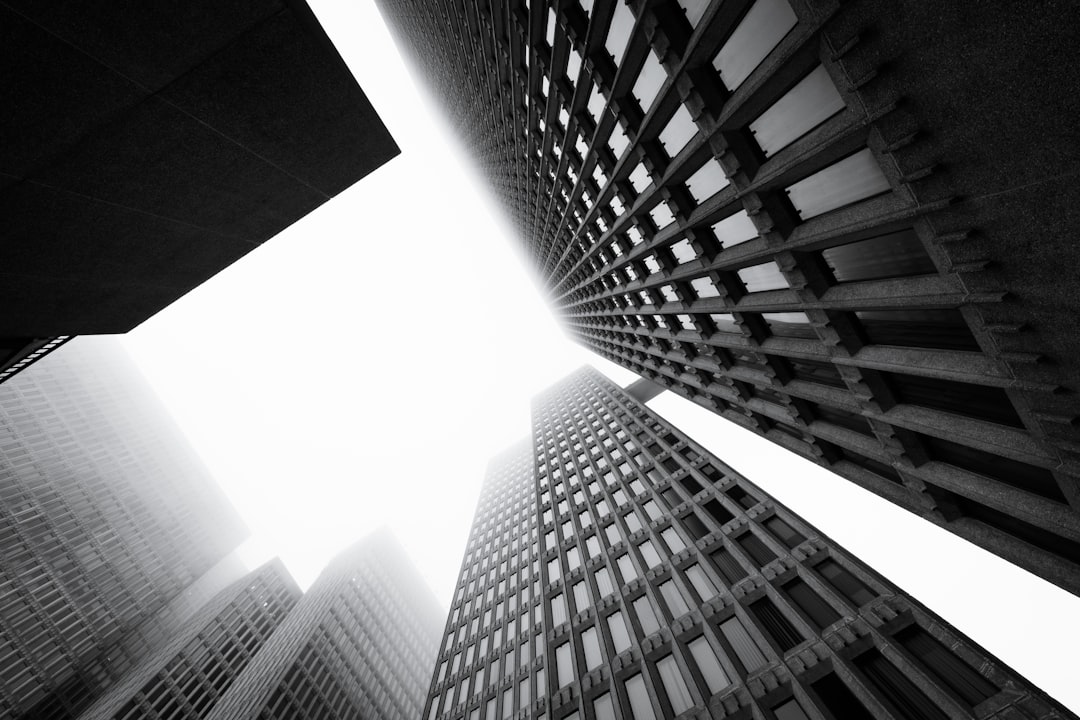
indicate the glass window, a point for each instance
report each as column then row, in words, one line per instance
column 896, row 254
column 626, row 568
column 905, row 698
column 709, row 665
column 649, row 554
column 640, row 178
column 787, row 534
column 591, row 642
column 937, row 329
column 811, row 102
column 945, row 667
column 779, row 628
column 789, row 710
column 618, row 140
column 564, row 666
column 745, row 648
column 620, row 637
column 704, row 587
column 558, row 609
column 704, row 287
column 839, row 700
column 649, row 81
column 735, row 229
column 638, row 695
column 755, row 548
column 581, row 596
column 683, row 252
column 847, row 584
column 706, row 181
column 674, row 684
column 622, row 25
column 761, row 29
column 854, row 178
column 604, row 708
column 674, row 598
column 759, row 278
column 679, row 131
column 820, row 612
column 603, row 582
column 646, row 615
column 694, row 9
column 671, row 538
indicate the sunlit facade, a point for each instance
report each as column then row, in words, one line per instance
column 111, row 529
column 615, row 569
column 774, row 209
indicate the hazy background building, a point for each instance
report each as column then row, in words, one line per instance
column 108, row 520
column 617, row 569
column 145, row 148
column 185, row 678
column 812, row 218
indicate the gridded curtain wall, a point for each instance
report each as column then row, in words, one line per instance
column 623, row 572
column 734, row 200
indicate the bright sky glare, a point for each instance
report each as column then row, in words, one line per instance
column 361, row 367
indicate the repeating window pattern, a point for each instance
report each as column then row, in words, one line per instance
column 187, row 677
column 706, row 191
column 106, row 517
column 652, row 580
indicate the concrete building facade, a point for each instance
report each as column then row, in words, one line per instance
column 816, row 219
column 615, row 569
column 111, row 530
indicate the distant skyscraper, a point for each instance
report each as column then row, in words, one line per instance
column 814, row 218
column 360, row 644
column 107, row 518
column 615, row 569
column 143, row 149
column 184, row 679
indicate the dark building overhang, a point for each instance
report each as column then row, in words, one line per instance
column 145, row 147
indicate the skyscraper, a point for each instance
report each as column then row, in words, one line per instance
column 617, row 569
column 359, row 644
column 143, row 149
column 810, row 217
column 185, row 678
column 107, row 518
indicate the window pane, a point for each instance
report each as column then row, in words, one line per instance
column 564, row 664
column 948, row 669
column 755, row 548
column 709, row 665
column 745, row 648
column 811, row 102
column 820, row 612
column 761, row 29
column 672, row 540
column 897, row 254
column 649, row 554
column 906, row 698
column 640, row 705
column 646, row 615
column 673, row 597
column 649, row 81
column 849, row 586
column 622, row 24
column 593, row 657
column 938, row 329
column 789, row 711
column 839, row 700
column 854, row 178
column 783, row 633
column 766, row 276
column 706, row 181
column 728, row 566
column 674, row 684
column 620, row 637
column 604, row 708
column 787, row 534
column 705, row 587
column 581, row 596
column 679, row 131
column 626, row 568
column 735, row 230
column 603, row 582
column 558, row 609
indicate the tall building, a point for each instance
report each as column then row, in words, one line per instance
column 185, row 678
column 144, row 148
column 108, row 523
column 615, row 569
column 359, row 644
column 813, row 218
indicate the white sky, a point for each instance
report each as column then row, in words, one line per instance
column 361, row 367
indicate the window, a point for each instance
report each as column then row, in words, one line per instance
column 581, row 596
column 945, row 667
column 745, row 648
column 704, row 587
column 755, row 548
column 672, row 540
column 778, row 627
column 564, row 667
column 709, row 665
column 679, row 131
column 708, row 180
column 649, row 554
column 604, row 708
column 638, row 695
column 626, row 568
column 789, row 710
column 729, row 567
column 839, row 700
column 936, row 329
column 735, row 229
column 558, row 609
column 649, row 81
column 674, row 685
column 821, row 614
column 905, row 698
column 761, row 29
column 718, row 512
column 845, row 583
column 620, row 638
column 674, row 598
column 854, row 178
column 787, row 534
column 896, row 254
column 759, row 278
column 811, row 102
column 603, row 582
column 646, row 615
column 591, row 644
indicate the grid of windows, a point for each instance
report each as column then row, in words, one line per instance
column 651, row 579
column 106, row 517
column 707, row 191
